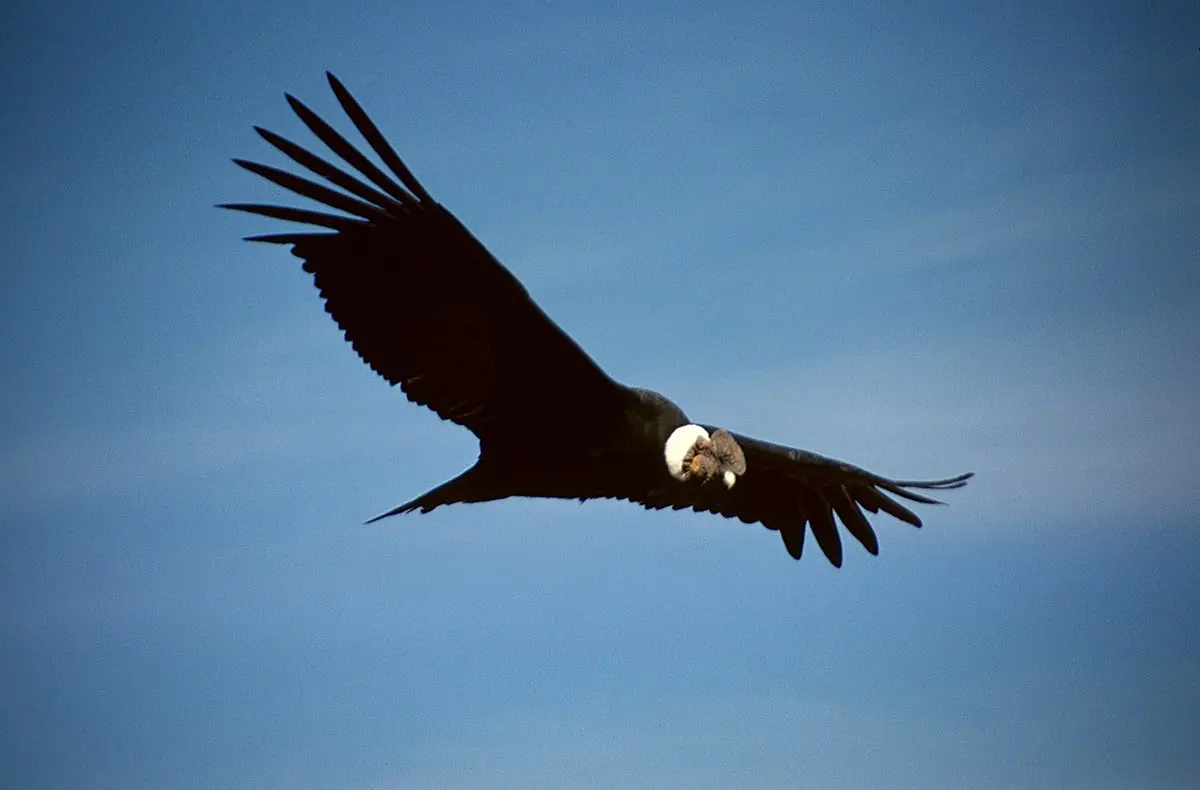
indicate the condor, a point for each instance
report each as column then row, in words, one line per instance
column 429, row 309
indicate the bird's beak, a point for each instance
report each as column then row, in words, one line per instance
column 716, row 457
column 729, row 455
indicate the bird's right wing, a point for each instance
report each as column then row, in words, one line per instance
column 419, row 298
column 785, row 489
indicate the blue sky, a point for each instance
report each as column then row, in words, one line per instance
column 939, row 239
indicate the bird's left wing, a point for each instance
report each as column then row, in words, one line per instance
column 785, row 489
column 420, row 299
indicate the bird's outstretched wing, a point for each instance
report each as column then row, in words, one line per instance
column 419, row 298
column 785, row 489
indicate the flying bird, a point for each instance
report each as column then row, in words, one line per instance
column 429, row 309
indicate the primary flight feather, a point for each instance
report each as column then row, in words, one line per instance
column 426, row 305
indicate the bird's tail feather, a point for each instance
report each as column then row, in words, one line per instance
column 470, row 486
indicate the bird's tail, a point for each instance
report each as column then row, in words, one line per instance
column 471, row 486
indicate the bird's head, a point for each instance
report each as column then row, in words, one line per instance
column 693, row 455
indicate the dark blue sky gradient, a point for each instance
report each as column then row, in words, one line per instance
column 925, row 239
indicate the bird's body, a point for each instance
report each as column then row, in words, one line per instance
column 609, row 457
column 429, row 309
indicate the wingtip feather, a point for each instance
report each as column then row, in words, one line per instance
column 379, row 144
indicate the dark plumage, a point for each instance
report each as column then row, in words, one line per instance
column 429, row 309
